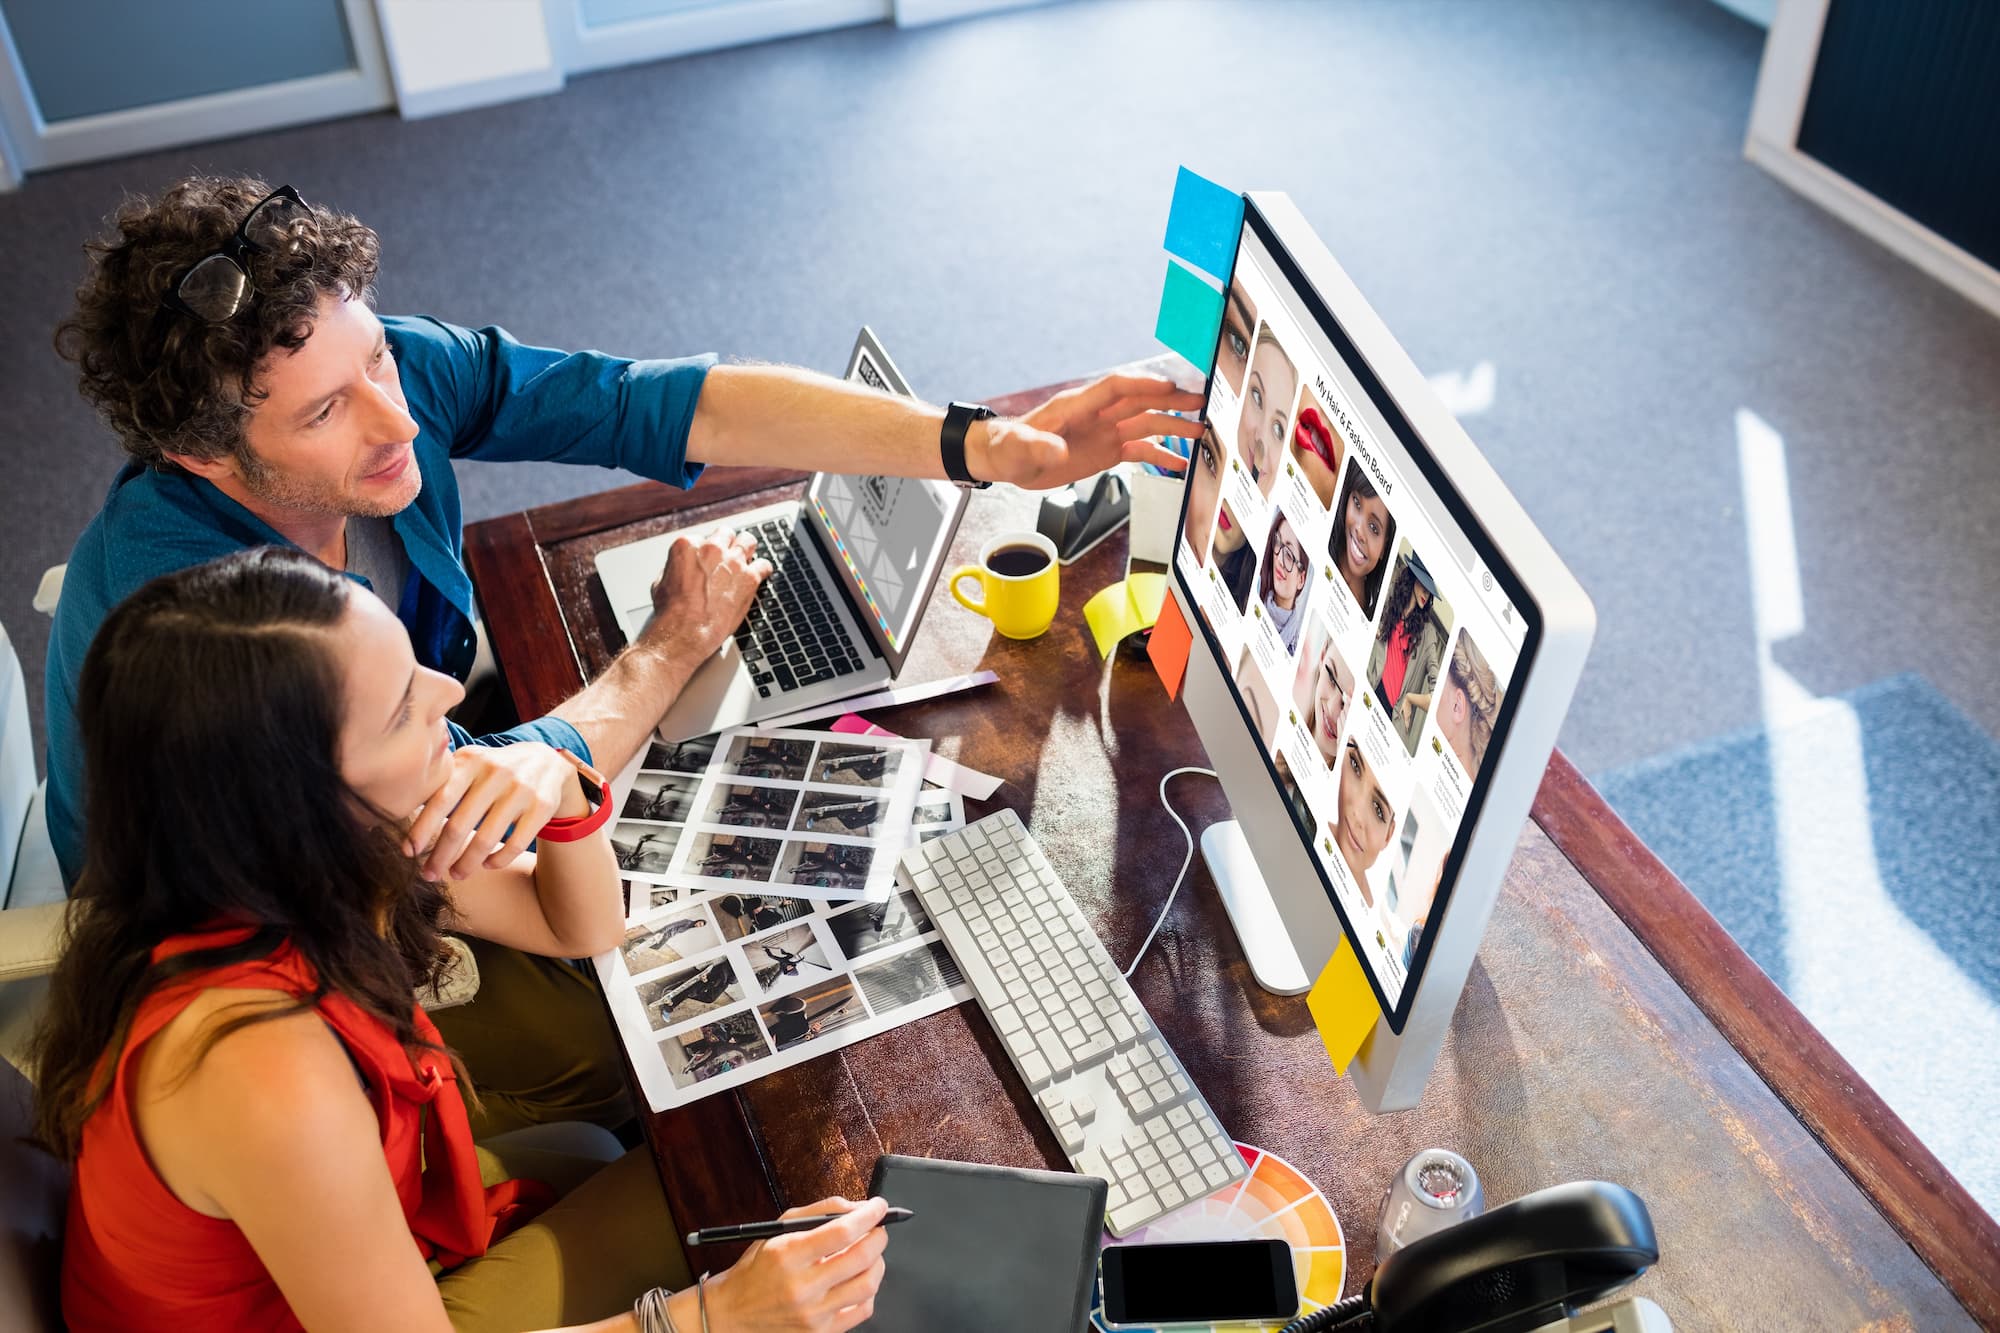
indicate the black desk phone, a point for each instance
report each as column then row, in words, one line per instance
column 1525, row 1267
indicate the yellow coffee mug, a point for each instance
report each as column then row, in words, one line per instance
column 1019, row 584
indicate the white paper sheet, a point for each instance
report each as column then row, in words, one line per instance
column 714, row 988
column 811, row 814
column 895, row 694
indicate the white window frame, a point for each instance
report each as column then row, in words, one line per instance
column 34, row 144
column 1783, row 81
column 580, row 49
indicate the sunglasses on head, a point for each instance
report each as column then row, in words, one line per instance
column 217, row 286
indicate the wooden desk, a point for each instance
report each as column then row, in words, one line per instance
column 1610, row 1029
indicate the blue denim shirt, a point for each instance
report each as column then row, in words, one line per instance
column 474, row 394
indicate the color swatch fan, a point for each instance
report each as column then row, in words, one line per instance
column 1274, row 1202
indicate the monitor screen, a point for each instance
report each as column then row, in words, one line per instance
column 1368, row 628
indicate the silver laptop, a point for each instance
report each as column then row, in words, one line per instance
column 854, row 566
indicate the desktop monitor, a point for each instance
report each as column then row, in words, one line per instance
column 1385, row 649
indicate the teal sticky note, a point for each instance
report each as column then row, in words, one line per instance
column 1203, row 223
column 1190, row 315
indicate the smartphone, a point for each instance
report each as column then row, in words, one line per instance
column 1197, row 1283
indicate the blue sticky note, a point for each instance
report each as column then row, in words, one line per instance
column 1190, row 316
column 1203, row 223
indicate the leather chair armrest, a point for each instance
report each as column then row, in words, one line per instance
column 31, row 940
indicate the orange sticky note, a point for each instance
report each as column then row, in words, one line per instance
column 1342, row 1005
column 1168, row 647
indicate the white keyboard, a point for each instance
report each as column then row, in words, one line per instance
column 1108, row 1084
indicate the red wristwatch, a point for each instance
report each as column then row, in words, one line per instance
column 595, row 790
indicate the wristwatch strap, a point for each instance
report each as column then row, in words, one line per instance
column 951, row 442
column 595, row 790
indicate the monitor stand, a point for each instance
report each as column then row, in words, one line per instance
column 1258, row 927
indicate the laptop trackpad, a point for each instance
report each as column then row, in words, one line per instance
column 719, row 695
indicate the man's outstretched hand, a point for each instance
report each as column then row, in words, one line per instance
column 1081, row 432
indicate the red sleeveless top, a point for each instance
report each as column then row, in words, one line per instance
column 135, row 1257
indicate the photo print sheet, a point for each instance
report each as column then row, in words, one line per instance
column 714, row 987
column 810, row 814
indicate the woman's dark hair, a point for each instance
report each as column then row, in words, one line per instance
column 165, row 381
column 1267, row 586
column 210, row 707
column 1358, row 484
column 1403, row 608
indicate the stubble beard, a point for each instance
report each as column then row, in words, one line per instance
column 276, row 488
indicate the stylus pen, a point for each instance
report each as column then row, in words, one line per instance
column 784, row 1227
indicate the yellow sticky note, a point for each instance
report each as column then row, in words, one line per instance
column 1342, row 1005
column 1148, row 591
column 1125, row 607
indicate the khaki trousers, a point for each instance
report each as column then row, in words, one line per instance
column 538, row 1043
column 606, row 1241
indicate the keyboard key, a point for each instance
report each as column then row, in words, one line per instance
column 1123, row 1221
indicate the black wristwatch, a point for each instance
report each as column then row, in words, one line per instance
column 951, row 442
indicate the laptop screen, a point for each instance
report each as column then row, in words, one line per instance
column 890, row 534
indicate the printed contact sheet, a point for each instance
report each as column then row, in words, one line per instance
column 811, row 814
column 716, row 986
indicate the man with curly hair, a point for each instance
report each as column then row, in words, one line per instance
column 226, row 333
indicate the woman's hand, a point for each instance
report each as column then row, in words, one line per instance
column 818, row 1281
column 464, row 822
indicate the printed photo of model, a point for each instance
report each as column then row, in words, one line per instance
column 1408, row 655
column 1363, row 533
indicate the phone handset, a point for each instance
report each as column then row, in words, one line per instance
column 1524, row 1266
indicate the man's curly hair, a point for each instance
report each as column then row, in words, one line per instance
column 165, row 381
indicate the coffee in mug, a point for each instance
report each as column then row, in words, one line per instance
column 1019, row 583
column 1018, row 562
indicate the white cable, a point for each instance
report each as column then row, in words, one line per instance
column 1186, row 861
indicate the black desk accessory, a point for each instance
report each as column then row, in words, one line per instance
column 1076, row 519
column 992, row 1249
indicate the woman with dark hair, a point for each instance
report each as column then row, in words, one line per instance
column 1235, row 557
column 1409, row 650
column 1363, row 532
column 1282, row 584
column 264, row 1128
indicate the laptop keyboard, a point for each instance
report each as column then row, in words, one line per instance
column 791, row 638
